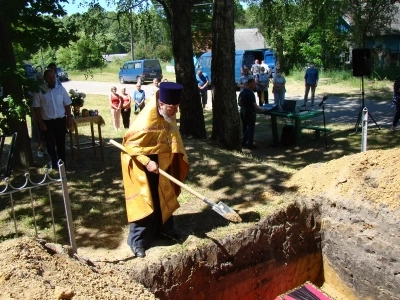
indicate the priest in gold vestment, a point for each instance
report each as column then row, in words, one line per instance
column 153, row 141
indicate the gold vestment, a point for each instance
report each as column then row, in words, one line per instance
column 150, row 134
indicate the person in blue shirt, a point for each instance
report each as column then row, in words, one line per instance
column 244, row 78
column 311, row 82
column 202, row 83
column 139, row 97
column 262, row 83
column 248, row 110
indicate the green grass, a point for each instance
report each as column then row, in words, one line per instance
column 341, row 77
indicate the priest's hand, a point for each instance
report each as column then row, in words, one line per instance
column 152, row 166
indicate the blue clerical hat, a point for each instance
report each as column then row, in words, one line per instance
column 170, row 92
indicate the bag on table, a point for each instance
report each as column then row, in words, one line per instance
column 288, row 136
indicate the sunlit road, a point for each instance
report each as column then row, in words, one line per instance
column 338, row 110
column 104, row 88
column 101, row 88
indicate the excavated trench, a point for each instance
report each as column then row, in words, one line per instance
column 350, row 249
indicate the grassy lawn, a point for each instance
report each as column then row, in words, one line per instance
column 237, row 178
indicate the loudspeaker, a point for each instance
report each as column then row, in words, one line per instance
column 361, row 62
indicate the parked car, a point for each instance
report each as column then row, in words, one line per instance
column 143, row 70
column 30, row 71
column 62, row 74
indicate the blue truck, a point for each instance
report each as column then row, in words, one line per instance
column 270, row 60
column 242, row 58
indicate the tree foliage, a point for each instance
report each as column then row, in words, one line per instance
column 201, row 16
column 25, row 26
column 312, row 30
column 369, row 18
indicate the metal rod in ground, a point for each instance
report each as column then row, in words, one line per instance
column 67, row 205
column 364, row 135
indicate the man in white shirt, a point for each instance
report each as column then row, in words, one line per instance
column 52, row 109
column 53, row 67
column 266, row 68
column 155, row 87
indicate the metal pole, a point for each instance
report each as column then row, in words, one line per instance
column 67, row 204
column 41, row 53
column 364, row 130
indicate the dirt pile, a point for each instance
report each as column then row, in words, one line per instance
column 29, row 270
column 368, row 176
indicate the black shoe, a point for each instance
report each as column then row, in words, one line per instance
column 252, row 146
column 138, row 251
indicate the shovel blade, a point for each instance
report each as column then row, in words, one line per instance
column 227, row 212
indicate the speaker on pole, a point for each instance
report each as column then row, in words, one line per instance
column 361, row 62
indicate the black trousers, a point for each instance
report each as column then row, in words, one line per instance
column 54, row 137
column 126, row 115
column 144, row 231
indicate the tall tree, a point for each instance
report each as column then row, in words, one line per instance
column 178, row 15
column 93, row 41
column 226, row 123
column 21, row 23
column 126, row 11
column 274, row 19
column 368, row 18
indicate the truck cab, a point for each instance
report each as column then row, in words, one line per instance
column 242, row 58
column 246, row 58
column 270, row 60
column 203, row 64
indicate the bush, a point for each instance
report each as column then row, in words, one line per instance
column 386, row 73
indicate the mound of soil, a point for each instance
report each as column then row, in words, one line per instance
column 368, row 176
column 31, row 270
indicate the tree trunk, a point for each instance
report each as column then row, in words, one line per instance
column 132, row 39
column 226, row 123
column 191, row 119
column 280, row 64
column 12, row 86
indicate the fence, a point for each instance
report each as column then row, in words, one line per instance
column 47, row 181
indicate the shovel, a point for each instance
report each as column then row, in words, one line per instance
column 220, row 207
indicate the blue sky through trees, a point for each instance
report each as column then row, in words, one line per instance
column 76, row 8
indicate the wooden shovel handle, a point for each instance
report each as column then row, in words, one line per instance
column 165, row 174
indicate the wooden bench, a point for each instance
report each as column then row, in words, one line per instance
column 317, row 130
